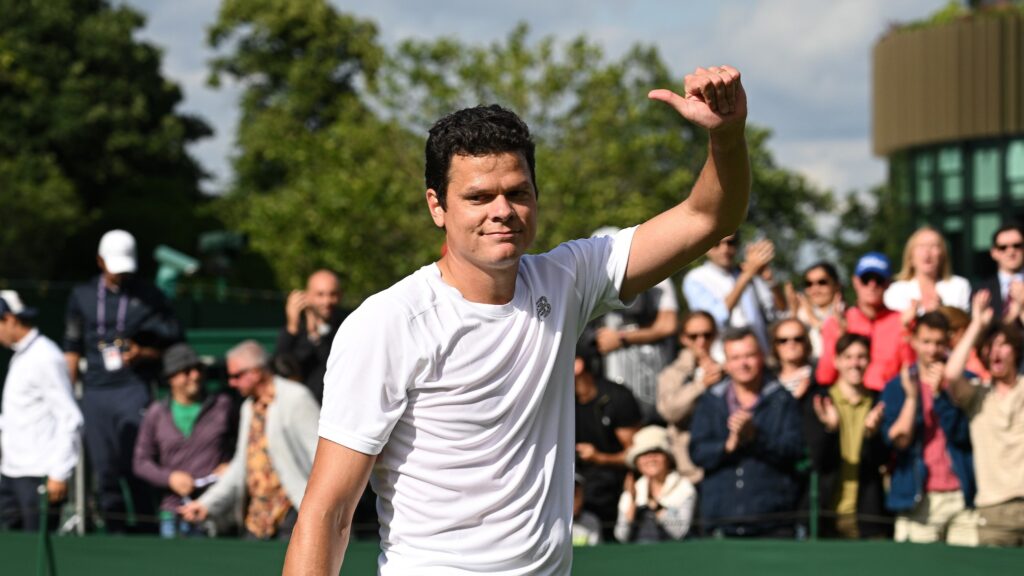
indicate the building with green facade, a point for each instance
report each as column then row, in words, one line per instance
column 948, row 114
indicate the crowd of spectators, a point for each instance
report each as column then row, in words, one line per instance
column 905, row 404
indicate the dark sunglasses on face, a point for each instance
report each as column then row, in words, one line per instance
column 799, row 339
column 867, row 279
column 819, row 282
column 704, row 335
column 239, row 374
column 1005, row 247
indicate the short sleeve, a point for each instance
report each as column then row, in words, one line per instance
column 599, row 266
column 373, row 362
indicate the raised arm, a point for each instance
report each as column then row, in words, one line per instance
column 960, row 390
column 713, row 99
column 322, row 530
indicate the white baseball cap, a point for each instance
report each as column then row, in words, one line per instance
column 117, row 248
column 10, row 303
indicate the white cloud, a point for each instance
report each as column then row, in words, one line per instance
column 806, row 63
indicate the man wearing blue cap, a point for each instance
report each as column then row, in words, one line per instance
column 40, row 419
column 869, row 317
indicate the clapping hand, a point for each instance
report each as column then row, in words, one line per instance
column 826, row 412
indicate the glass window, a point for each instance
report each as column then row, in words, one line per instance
column 953, row 224
column 900, row 178
column 986, row 174
column 924, row 169
column 951, row 175
column 1015, row 168
column 985, row 225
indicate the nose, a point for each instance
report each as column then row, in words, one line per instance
column 501, row 208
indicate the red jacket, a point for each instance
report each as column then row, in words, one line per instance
column 889, row 348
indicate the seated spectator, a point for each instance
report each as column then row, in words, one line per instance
column 868, row 317
column 791, row 353
column 932, row 487
column 607, row 417
column 681, row 383
column 183, row 442
column 746, row 436
column 41, row 421
column 586, row 526
column 736, row 296
column 635, row 343
column 995, row 407
column 659, row 504
column 821, row 298
column 926, row 280
column 277, row 437
column 846, row 449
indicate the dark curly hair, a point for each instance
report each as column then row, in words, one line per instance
column 474, row 132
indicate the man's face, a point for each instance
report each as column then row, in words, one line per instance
column 1000, row 357
column 819, row 287
column 187, row 382
column 723, row 254
column 243, row 376
column 1008, row 251
column 744, row 361
column 853, row 363
column 930, row 344
column 323, row 293
column 490, row 220
column 870, row 288
column 7, row 329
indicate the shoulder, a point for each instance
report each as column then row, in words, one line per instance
column 958, row 283
column 698, row 274
column 289, row 390
column 45, row 349
column 402, row 302
column 84, row 291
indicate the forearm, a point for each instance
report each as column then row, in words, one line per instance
column 742, row 282
column 318, row 543
column 957, row 361
column 72, row 360
column 902, row 430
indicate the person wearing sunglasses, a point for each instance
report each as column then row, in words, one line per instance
column 1008, row 253
column 791, row 354
column 868, row 317
column 277, row 435
column 682, row 382
column 821, row 297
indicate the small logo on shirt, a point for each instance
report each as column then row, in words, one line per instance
column 543, row 307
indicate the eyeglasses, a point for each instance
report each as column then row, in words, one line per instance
column 870, row 277
column 240, row 373
column 784, row 340
column 821, row 282
column 1014, row 245
column 696, row 335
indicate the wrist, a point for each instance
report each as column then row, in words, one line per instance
column 728, row 138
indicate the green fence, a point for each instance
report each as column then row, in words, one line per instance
column 116, row 556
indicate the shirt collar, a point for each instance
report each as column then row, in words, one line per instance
column 22, row 344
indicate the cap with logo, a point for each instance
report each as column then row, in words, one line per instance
column 873, row 263
column 117, row 248
column 10, row 303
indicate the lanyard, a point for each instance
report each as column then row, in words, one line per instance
column 101, row 309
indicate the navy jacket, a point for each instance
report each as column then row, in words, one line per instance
column 909, row 471
column 760, row 477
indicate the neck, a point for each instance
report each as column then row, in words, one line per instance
column 1007, row 381
column 852, row 392
column 112, row 281
column 925, row 279
column 1009, row 271
column 19, row 332
column 787, row 366
column 586, row 390
column 752, row 387
column 658, row 480
column 495, row 286
column 265, row 389
column 182, row 398
column 869, row 310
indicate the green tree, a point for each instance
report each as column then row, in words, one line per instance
column 606, row 154
column 91, row 136
column 329, row 169
column 319, row 179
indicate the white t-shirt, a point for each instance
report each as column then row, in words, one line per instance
column 470, row 408
column 954, row 291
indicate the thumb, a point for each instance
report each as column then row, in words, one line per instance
column 681, row 105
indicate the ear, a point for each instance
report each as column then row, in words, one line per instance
column 437, row 212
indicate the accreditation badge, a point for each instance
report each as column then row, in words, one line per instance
column 112, row 360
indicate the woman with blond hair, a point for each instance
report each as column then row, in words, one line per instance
column 926, row 280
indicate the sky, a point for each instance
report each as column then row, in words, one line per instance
column 806, row 64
